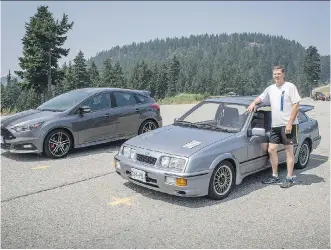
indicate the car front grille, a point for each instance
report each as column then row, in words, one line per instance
column 6, row 134
column 146, row 159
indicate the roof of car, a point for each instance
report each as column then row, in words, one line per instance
column 100, row 89
column 245, row 100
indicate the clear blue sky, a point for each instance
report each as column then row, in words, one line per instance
column 102, row 25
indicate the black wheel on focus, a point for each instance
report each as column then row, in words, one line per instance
column 222, row 181
column 147, row 126
column 304, row 155
column 58, row 143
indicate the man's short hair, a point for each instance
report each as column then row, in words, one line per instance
column 279, row 67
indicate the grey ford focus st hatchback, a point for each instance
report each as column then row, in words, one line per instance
column 80, row 118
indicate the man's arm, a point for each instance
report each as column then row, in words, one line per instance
column 295, row 98
column 264, row 96
column 294, row 113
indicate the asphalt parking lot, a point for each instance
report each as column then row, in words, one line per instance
column 80, row 202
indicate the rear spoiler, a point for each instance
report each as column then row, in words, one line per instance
column 302, row 107
column 306, row 108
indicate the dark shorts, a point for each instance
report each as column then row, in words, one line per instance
column 278, row 136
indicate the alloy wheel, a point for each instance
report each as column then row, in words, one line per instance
column 223, row 180
column 59, row 144
column 149, row 126
column 304, row 154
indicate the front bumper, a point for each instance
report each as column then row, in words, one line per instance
column 24, row 142
column 156, row 179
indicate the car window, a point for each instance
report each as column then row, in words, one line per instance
column 98, row 102
column 124, row 99
column 233, row 116
column 65, row 101
column 302, row 118
column 223, row 115
column 141, row 98
column 261, row 119
column 205, row 112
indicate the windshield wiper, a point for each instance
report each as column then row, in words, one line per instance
column 54, row 110
column 190, row 124
column 215, row 127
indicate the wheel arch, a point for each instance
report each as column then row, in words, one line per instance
column 310, row 143
column 146, row 120
column 233, row 160
column 59, row 127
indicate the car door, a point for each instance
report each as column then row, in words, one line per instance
column 98, row 124
column 257, row 146
column 127, row 111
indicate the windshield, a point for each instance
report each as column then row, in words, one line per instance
column 222, row 116
column 64, row 102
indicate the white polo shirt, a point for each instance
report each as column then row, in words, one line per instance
column 281, row 100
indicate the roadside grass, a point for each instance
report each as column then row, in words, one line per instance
column 7, row 111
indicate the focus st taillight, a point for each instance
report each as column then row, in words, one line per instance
column 156, row 106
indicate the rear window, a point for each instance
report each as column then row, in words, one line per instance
column 302, row 117
column 142, row 98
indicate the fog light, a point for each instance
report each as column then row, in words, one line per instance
column 181, row 182
column 170, row 180
column 27, row 146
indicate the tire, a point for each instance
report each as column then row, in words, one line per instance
column 224, row 170
column 304, row 155
column 52, row 140
column 147, row 126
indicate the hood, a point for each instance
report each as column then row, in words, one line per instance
column 27, row 116
column 178, row 140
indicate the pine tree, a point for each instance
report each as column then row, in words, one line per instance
column 311, row 70
column 94, row 75
column 69, row 83
column 162, row 81
column 59, row 88
column 8, row 77
column 12, row 92
column 42, row 48
column 141, row 77
column 80, row 74
column 173, row 76
column 3, row 98
column 119, row 76
column 108, row 74
column 325, row 69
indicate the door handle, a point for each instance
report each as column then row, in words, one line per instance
column 137, row 110
column 106, row 115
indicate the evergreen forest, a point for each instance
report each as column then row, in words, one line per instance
column 207, row 64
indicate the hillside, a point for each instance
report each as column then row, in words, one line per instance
column 213, row 63
column 204, row 65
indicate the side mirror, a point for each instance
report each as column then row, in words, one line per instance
column 84, row 109
column 175, row 119
column 258, row 132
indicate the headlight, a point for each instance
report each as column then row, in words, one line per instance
column 172, row 163
column 26, row 127
column 128, row 152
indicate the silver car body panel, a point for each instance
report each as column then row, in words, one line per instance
column 249, row 154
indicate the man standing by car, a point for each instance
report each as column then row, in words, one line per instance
column 284, row 101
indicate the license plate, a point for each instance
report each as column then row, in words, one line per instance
column 138, row 175
column 2, row 141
